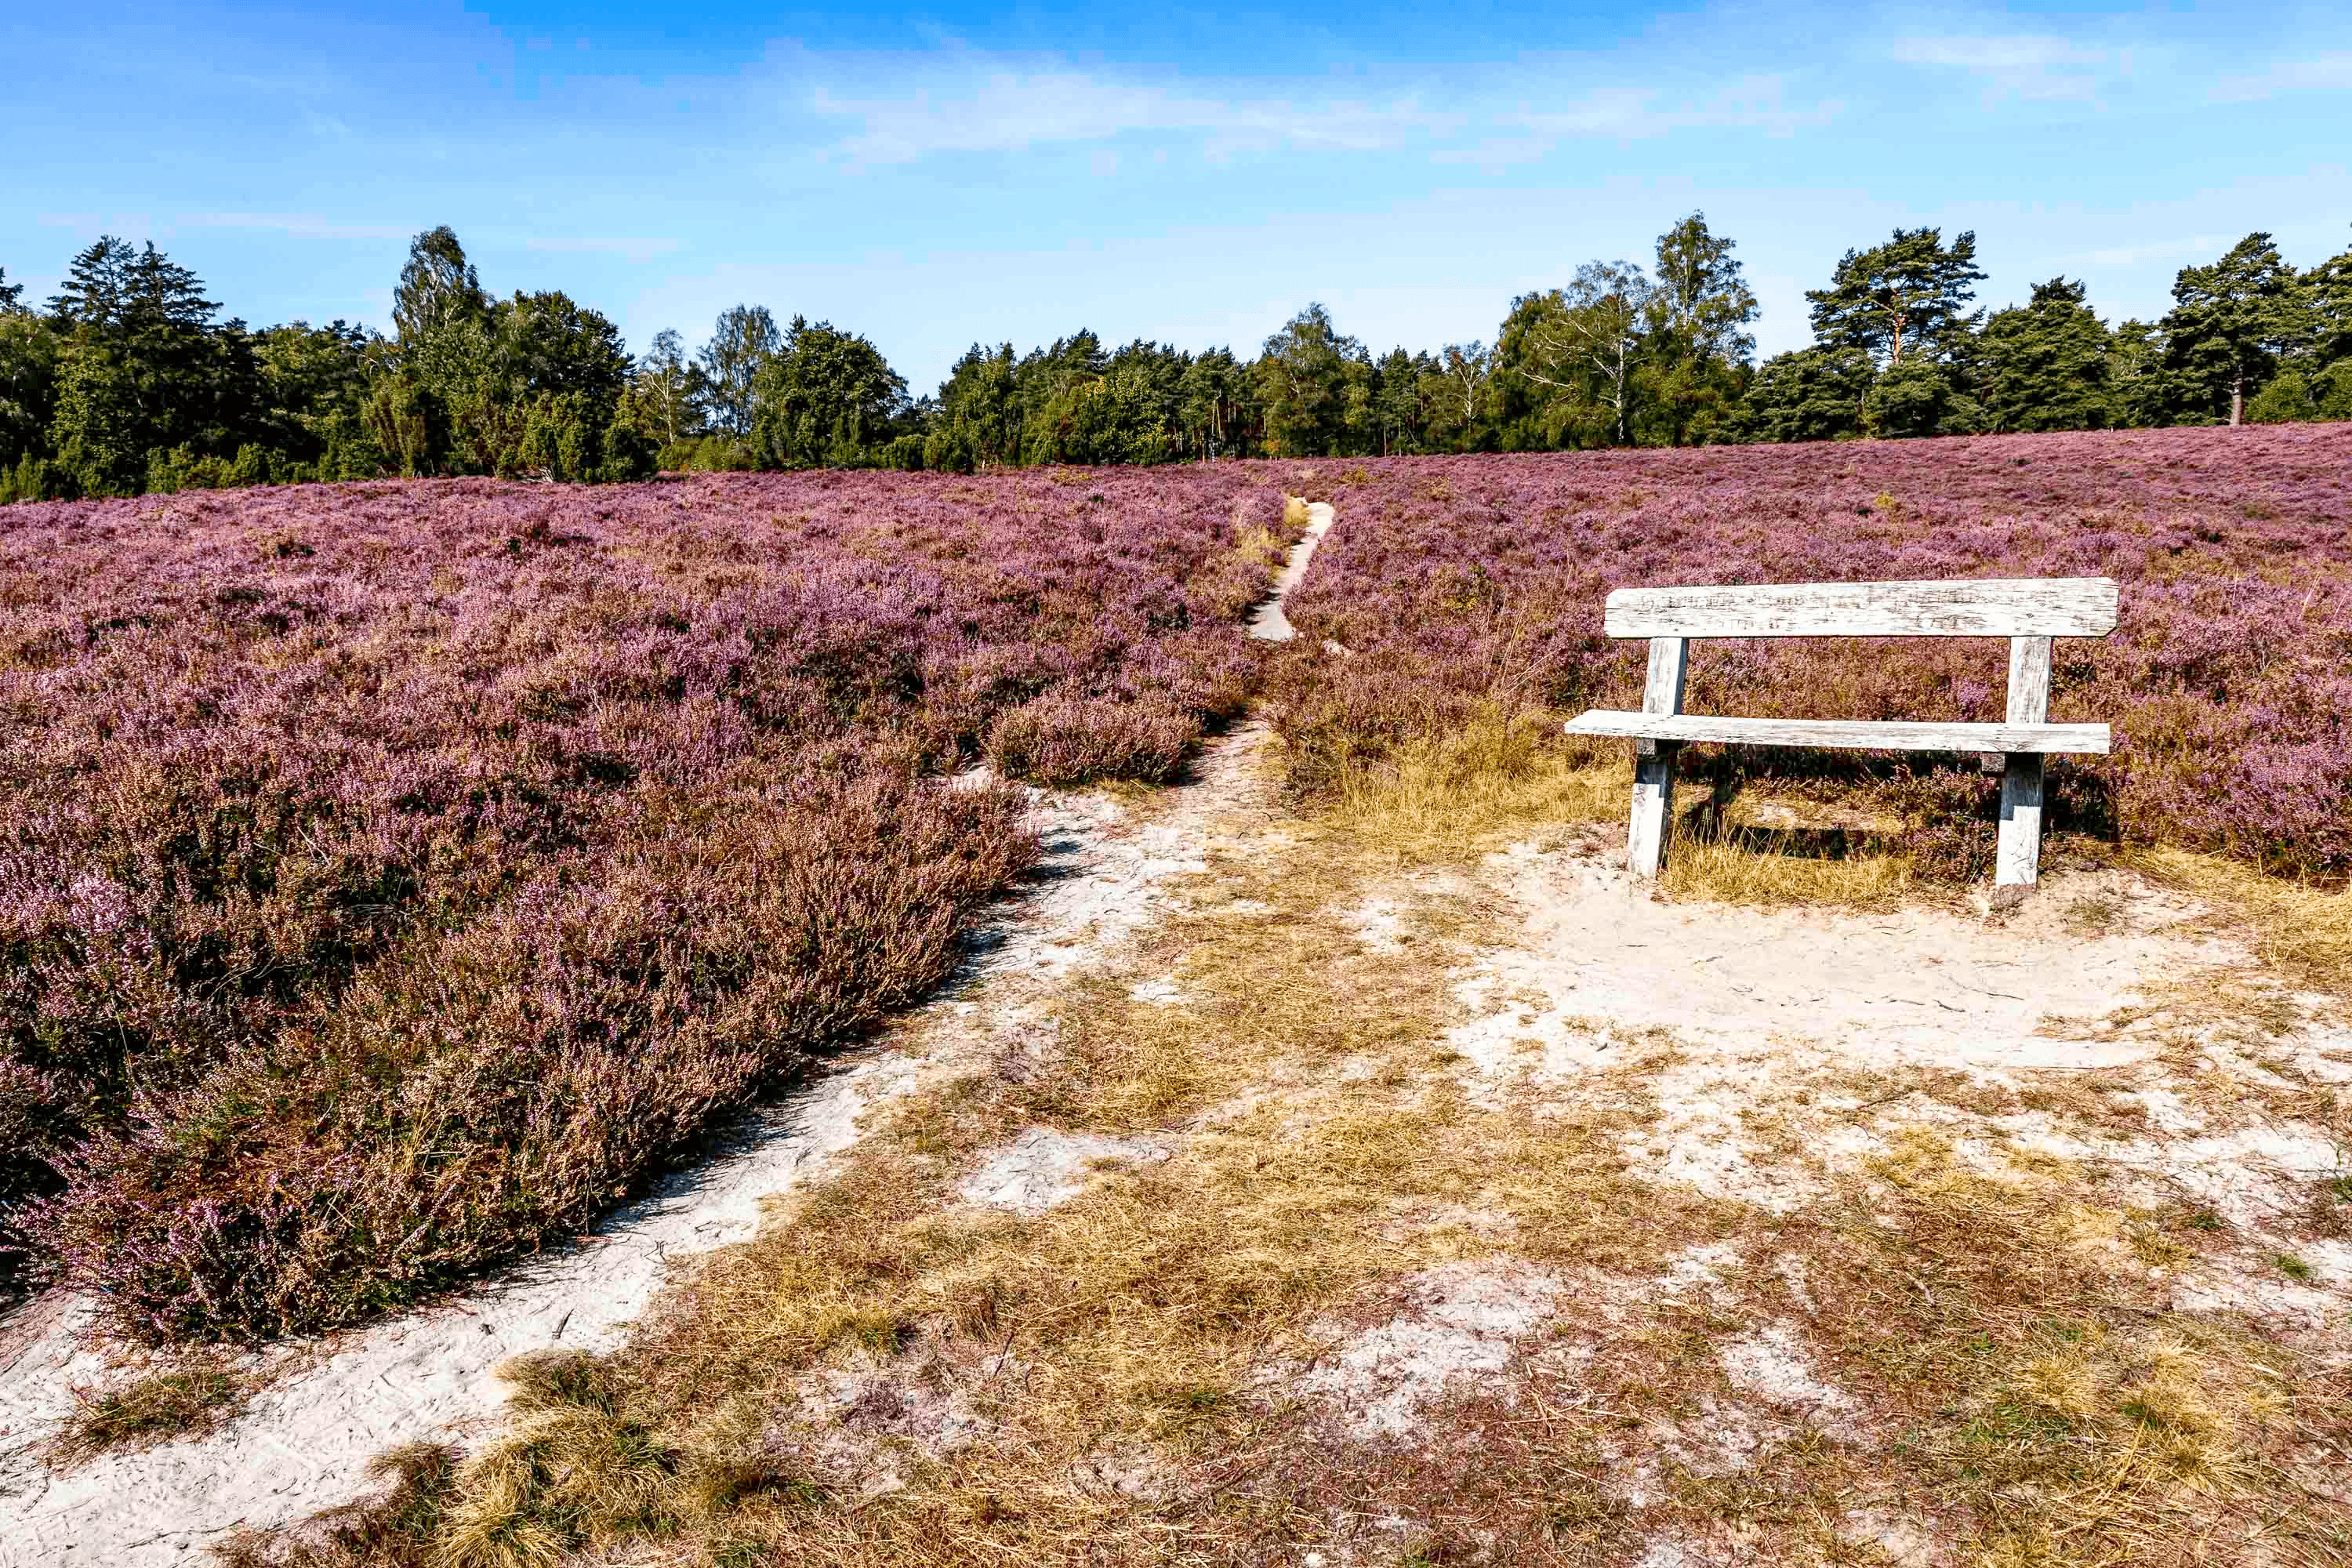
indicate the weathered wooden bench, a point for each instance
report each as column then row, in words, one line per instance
column 2029, row 612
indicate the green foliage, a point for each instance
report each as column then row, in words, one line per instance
column 2136, row 382
column 1701, row 349
column 38, row 479
column 744, row 339
column 1810, row 394
column 409, row 423
column 1306, row 380
column 706, row 454
column 977, row 423
column 2045, row 365
column 2327, row 335
column 2229, row 324
column 1114, row 418
column 1907, row 296
column 2324, row 395
column 315, row 385
column 1530, row 406
column 826, row 398
column 668, row 398
column 437, row 288
column 29, row 354
column 1915, row 396
column 531, row 385
column 2315, row 375
column 130, row 381
column 145, row 367
column 99, row 431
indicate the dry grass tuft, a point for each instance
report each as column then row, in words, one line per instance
column 397, row 1528
column 2303, row 932
column 1125, row 1333
column 1733, row 863
column 1457, row 795
column 186, row 1400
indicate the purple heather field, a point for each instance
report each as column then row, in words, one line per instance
column 1454, row 581
column 392, row 874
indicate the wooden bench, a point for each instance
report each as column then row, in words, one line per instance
column 2029, row 612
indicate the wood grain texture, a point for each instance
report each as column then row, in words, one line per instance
column 1653, row 760
column 2012, row 606
column 1662, row 691
column 2028, row 679
column 2016, row 858
column 1887, row 737
column 1653, row 810
column 2017, row 855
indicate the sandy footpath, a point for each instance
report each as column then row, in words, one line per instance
column 1271, row 625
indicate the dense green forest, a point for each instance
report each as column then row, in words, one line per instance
column 129, row 381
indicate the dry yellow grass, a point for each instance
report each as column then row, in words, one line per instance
column 1734, row 864
column 2300, row 930
column 1456, row 796
column 1453, row 797
column 182, row 1400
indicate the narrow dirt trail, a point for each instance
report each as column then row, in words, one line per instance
column 328, row 1408
column 1271, row 625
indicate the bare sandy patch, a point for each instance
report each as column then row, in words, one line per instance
column 1458, row 1327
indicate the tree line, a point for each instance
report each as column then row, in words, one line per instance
column 129, row 381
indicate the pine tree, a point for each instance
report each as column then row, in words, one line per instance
column 1909, row 296
column 2044, row 365
column 1808, row 394
column 2229, row 323
column 145, row 369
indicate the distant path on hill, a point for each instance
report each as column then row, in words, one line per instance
column 327, row 1406
column 1271, row 624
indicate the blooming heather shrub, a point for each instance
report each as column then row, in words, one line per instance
column 1059, row 739
column 391, row 874
column 1457, row 579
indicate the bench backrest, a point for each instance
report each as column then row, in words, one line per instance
column 1998, row 607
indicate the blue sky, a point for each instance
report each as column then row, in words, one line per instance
column 931, row 177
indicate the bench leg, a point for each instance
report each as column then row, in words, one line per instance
column 2019, row 858
column 1653, row 807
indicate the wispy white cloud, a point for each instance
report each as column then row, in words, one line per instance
column 2021, row 64
column 1526, row 134
column 964, row 103
column 301, row 226
column 633, row 250
column 977, row 105
column 2329, row 72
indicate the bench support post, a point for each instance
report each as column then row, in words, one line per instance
column 2018, row 860
column 1654, row 761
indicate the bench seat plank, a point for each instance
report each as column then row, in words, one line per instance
column 1859, row 733
column 2000, row 607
